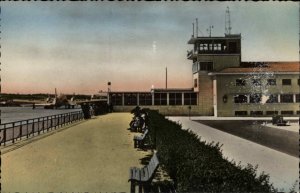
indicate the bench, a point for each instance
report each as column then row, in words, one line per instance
column 139, row 140
column 143, row 176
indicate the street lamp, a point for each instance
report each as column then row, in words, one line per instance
column 152, row 94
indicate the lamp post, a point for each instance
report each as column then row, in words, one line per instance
column 152, row 94
column 108, row 92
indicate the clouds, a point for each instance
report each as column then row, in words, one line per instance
column 85, row 44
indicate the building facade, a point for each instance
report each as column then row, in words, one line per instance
column 223, row 85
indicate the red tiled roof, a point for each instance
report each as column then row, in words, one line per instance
column 267, row 67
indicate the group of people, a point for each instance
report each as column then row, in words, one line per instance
column 95, row 109
column 139, row 121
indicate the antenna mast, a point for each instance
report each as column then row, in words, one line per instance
column 196, row 27
column 209, row 30
column 227, row 22
column 193, row 30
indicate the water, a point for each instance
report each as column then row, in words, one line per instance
column 10, row 114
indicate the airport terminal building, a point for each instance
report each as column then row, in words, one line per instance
column 223, row 85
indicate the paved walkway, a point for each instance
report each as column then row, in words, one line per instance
column 92, row 156
column 283, row 169
column 293, row 122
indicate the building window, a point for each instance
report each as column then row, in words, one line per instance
column 240, row 99
column 240, row 82
column 217, row 47
column 160, row 98
column 286, row 98
column 255, row 113
column 190, row 98
column 297, row 98
column 271, row 82
column 130, row 99
column 298, row 81
column 287, row 112
column 240, row 113
column 116, row 98
column 145, row 99
column 255, row 98
column 298, row 112
column 256, row 82
column 273, row 98
column 203, row 47
column 271, row 112
column 195, row 83
column 175, row 99
column 206, row 66
column 286, row 82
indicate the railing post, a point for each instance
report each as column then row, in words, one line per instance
column 64, row 119
column 21, row 133
column 47, row 123
column 27, row 129
column 4, row 135
column 32, row 127
column 57, row 121
column 51, row 122
column 13, row 132
column 38, row 126
column 44, row 124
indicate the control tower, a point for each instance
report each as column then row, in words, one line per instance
column 212, row 54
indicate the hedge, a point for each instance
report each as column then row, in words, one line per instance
column 198, row 166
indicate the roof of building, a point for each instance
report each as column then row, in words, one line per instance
column 226, row 37
column 156, row 90
column 173, row 90
column 261, row 67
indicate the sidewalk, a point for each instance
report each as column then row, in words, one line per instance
column 92, row 156
column 283, row 169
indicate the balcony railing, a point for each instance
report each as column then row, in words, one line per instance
column 28, row 128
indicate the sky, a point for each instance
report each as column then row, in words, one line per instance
column 77, row 47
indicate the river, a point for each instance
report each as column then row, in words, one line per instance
column 10, row 114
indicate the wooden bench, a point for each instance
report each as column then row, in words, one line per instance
column 139, row 140
column 143, row 176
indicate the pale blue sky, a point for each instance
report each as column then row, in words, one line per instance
column 79, row 46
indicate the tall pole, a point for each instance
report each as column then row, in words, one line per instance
column 193, row 30
column 166, row 78
column 108, row 92
column 196, row 27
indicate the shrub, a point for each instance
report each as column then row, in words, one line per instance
column 198, row 166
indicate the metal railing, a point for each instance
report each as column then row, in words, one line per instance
column 31, row 127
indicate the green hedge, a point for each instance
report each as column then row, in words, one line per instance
column 198, row 166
